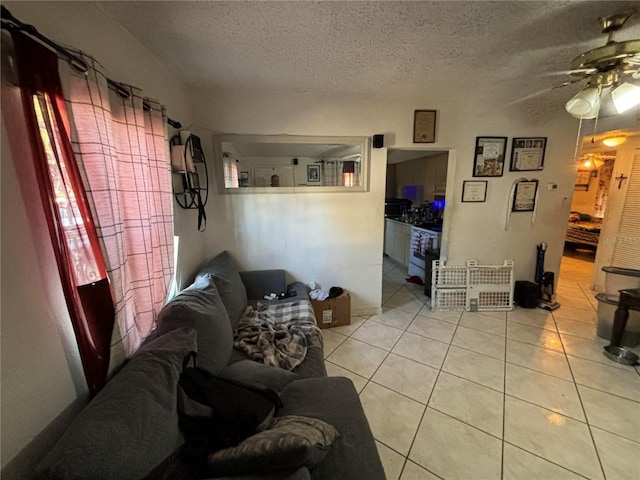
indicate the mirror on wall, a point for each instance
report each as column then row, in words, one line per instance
column 288, row 163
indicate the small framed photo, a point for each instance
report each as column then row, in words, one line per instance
column 424, row 126
column 489, row 156
column 474, row 191
column 527, row 154
column 313, row 173
column 524, row 198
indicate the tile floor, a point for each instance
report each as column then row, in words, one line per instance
column 525, row 394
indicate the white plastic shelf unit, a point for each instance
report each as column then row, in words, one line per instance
column 472, row 287
column 448, row 286
column 489, row 287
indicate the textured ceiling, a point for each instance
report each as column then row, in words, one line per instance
column 501, row 52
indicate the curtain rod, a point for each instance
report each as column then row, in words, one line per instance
column 12, row 23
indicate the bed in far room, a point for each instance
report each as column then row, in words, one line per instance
column 582, row 230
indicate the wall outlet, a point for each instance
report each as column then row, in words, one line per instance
column 552, row 186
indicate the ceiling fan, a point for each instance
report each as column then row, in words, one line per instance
column 609, row 69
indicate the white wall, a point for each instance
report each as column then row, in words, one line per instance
column 337, row 239
column 41, row 373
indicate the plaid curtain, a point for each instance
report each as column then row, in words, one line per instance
column 123, row 153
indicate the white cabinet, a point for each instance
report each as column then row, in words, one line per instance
column 397, row 237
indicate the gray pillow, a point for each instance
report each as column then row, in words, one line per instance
column 290, row 442
column 252, row 372
column 199, row 306
column 227, row 277
column 132, row 424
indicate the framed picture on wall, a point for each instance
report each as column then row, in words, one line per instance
column 313, row 173
column 424, row 126
column 489, row 156
column 524, row 197
column 474, row 191
column 527, row 154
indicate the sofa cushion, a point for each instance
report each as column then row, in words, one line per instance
column 291, row 442
column 199, row 306
column 252, row 372
column 335, row 400
column 227, row 278
column 131, row 425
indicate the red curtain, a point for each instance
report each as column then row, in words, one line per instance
column 71, row 227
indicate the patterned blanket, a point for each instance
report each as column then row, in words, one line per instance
column 278, row 335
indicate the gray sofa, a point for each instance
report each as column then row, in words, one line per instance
column 132, row 424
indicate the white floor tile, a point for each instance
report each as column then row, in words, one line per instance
column 332, row 340
column 587, row 315
column 620, row 457
column 358, row 357
column 487, row 371
column 415, row 472
column 454, row 450
column 392, row 461
column 405, row 302
column 485, row 322
column 347, row 330
column 588, row 349
column 611, row 413
column 408, row 377
column 393, row 418
column 432, row 328
column 544, row 390
column 421, row 349
column 538, row 358
column 469, row 402
column 552, row 436
column 532, row 317
column 535, row 336
column 377, row 334
column 480, row 342
column 576, row 328
column 394, row 317
column 449, row 317
column 334, row 370
column 624, row 383
column 519, row 465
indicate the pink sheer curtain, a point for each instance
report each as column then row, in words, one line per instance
column 122, row 149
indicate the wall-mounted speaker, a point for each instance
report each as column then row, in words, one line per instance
column 295, row 161
column 378, row 141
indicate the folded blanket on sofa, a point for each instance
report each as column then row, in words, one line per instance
column 278, row 335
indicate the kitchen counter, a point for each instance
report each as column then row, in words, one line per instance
column 432, row 227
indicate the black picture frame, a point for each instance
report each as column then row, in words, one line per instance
column 527, row 154
column 524, row 196
column 489, row 156
column 313, row 173
column 424, row 126
column 474, row 191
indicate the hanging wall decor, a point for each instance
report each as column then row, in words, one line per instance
column 527, row 154
column 524, row 198
column 489, row 156
column 424, row 126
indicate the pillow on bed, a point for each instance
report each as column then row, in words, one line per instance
column 291, row 442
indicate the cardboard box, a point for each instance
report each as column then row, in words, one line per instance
column 333, row 312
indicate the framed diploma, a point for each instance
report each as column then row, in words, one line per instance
column 527, row 154
column 424, row 126
column 524, row 197
column 474, row 191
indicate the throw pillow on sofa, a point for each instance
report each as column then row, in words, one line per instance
column 227, row 278
column 291, row 442
column 199, row 306
column 132, row 424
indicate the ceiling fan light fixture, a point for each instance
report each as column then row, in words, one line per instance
column 585, row 103
column 625, row 96
column 614, row 141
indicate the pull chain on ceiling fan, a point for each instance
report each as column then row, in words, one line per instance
column 609, row 68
